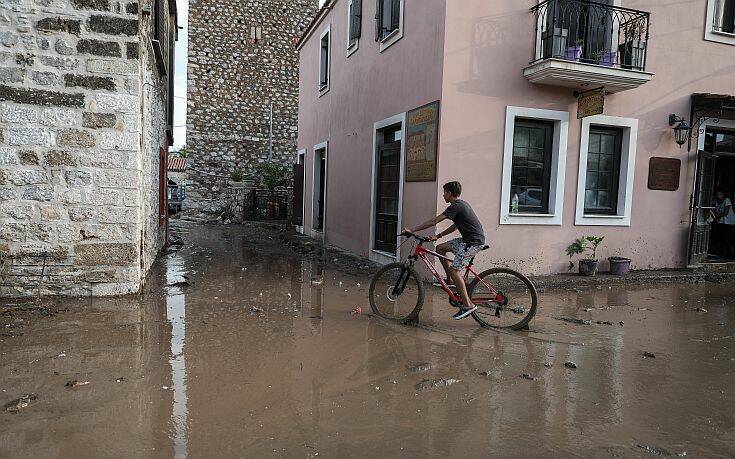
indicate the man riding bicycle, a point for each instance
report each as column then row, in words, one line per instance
column 472, row 241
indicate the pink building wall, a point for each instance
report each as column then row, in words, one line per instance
column 365, row 88
column 483, row 77
column 471, row 55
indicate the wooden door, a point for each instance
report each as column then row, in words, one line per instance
column 386, row 196
column 297, row 203
column 702, row 205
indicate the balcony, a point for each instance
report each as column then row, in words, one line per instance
column 586, row 45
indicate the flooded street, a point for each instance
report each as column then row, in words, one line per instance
column 235, row 352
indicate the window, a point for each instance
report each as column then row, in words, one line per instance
column 256, row 34
column 354, row 24
column 606, row 171
column 388, row 22
column 603, row 171
column 534, row 158
column 720, row 26
column 529, row 183
column 160, row 36
column 324, row 61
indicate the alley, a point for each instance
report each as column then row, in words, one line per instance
column 234, row 351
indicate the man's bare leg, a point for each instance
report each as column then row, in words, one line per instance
column 444, row 249
column 461, row 288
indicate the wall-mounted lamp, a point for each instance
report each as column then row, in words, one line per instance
column 682, row 131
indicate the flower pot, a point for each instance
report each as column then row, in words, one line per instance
column 587, row 267
column 619, row 265
column 573, row 53
column 609, row 59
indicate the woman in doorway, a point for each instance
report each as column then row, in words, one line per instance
column 721, row 237
column 723, row 212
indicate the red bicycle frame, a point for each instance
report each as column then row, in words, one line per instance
column 423, row 254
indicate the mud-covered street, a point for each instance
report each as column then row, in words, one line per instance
column 237, row 350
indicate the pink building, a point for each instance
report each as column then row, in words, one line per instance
column 398, row 97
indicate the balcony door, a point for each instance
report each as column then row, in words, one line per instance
column 584, row 24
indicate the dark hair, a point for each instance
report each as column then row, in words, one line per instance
column 454, row 188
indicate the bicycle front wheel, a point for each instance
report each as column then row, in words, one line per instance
column 504, row 299
column 396, row 293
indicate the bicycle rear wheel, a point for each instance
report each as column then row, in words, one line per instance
column 504, row 299
column 396, row 293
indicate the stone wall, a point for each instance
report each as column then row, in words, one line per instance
column 232, row 81
column 82, row 115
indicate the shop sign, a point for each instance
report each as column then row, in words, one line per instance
column 422, row 141
column 591, row 103
column 664, row 174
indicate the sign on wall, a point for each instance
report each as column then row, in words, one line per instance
column 422, row 140
column 664, row 173
column 591, row 103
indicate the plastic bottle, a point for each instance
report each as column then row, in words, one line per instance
column 514, row 204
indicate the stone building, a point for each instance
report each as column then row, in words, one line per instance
column 242, row 59
column 85, row 116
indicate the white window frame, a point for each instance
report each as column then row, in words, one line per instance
column 710, row 34
column 327, row 32
column 314, row 204
column 301, row 159
column 379, row 256
column 725, row 124
column 558, row 166
column 390, row 39
column 351, row 47
column 627, row 171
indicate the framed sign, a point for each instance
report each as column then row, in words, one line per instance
column 663, row 174
column 422, row 141
column 591, row 103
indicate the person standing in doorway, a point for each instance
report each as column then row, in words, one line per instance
column 464, row 248
column 723, row 212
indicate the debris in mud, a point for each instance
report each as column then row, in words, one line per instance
column 518, row 310
column 528, row 377
column 654, row 450
column 74, row 383
column 20, row 403
column 574, row 320
column 317, row 280
column 571, row 365
column 587, row 309
column 120, row 379
column 701, row 310
column 420, row 367
column 603, row 322
column 179, row 284
column 649, row 355
column 357, row 311
column 429, row 384
column 549, row 364
column 621, row 323
column 486, row 373
column 256, row 310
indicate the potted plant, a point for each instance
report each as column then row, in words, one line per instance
column 619, row 265
column 574, row 53
column 633, row 49
column 587, row 266
column 607, row 58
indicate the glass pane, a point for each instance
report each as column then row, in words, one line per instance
column 590, row 199
column 607, row 144
column 603, row 181
column 591, row 180
column 535, row 176
column 593, row 162
column 594, row 143
column 521, row 137
column 537, row 138
column 724, row 143
column 604, row 199
column 606, row 163
column 536, row 154
column 520, row 152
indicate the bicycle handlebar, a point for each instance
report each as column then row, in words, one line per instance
column 421, row 239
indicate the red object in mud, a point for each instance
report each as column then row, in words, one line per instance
column 357, row 311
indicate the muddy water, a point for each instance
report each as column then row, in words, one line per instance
column 259, row 356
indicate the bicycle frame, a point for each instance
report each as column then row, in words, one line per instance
column 423, row 254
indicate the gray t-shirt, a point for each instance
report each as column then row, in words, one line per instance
column 466, row 221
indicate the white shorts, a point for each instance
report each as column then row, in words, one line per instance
column 463, row 253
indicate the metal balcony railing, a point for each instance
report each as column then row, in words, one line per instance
column 592, row 33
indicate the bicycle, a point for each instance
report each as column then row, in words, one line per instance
column 504, row 298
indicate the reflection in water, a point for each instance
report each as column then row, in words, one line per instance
column 176, row 315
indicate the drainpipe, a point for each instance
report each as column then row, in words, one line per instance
column 270, row 134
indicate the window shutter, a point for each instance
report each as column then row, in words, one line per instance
column 324, row 67
column 378, row 19
column 356, row 20
column 395, row 15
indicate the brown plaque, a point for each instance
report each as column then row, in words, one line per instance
column 422, row 142
column 591, row 103
column 663, row 174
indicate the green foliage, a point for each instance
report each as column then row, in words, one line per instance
column 183, row 153
column 237, row 176
column 273, row 175
column 585, row 244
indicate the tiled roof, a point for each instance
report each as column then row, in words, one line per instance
column 176, row 164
